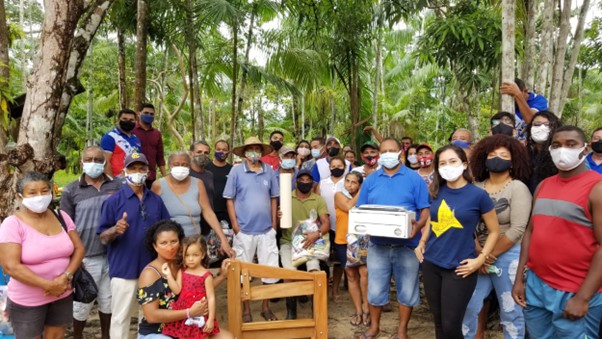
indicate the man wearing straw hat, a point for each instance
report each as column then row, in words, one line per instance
column 251, row 191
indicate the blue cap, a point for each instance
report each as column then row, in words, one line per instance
column 305, row 172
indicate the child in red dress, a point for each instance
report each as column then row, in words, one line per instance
column 193, row 283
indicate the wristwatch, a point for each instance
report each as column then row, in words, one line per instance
column 69, row 275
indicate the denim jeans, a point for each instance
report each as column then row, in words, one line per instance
column 384, row 260
column 511, row 315
column 545, row 305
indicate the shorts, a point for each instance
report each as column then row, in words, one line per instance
column 264, row 245
column 98, row 267
column 29, row 321
column 384, row 260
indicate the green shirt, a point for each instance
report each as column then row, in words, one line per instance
column 301, row 210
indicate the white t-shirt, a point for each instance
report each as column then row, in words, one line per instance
column 327, row 190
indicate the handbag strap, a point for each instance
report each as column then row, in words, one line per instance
column 181, row 201
column 59, row 216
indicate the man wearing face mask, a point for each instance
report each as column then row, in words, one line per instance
column 594, row 159
column 321, row 170
column 272, row 159
column 220, row 169
column 369, row 152
column 561, row 247
column 82, row 200
column 526, row 104
column 252, row 191
column 125, row 217
column 317, row 152
column 151, row 140
column 120, row 142
column 289, row 160
column 503, row 123
column 394, row 185
column 424, row 155
column 199, row 153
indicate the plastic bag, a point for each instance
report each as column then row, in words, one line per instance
column 214, row 244
column 357, row 249
column 5, row 326
column 319, row 250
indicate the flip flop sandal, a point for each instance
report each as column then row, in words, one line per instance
column 367, row 320
column 368, row 336
column 356, row 319
column 247, row 318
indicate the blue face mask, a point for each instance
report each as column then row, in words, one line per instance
column 316, row 153
column 93, row 169
column 221, row 156
column 288, row 163
column 389, row 159
column 147, row 118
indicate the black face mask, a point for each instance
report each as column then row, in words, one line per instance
column 126, row 125
column 304, row 187
column 498, row 165
column 502, row 128
column 333, row 151
column 277, row 145
column 337, row 172
column 597, row 146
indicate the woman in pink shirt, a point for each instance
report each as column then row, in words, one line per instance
column 41, row 258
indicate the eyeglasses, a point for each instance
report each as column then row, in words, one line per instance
column 505, row 120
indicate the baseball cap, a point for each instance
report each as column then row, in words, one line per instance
column 135, row 157
column 424, row 146
column 369, row 143
column 285, row 150
column 329, row 139
column 305, row 172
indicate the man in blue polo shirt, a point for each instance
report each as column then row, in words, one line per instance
column 394, row 185
column 593, row 160
column 252, row 191
column 125, row 217
column 527, row 103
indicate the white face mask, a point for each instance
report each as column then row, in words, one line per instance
column 136, row 179
column 567, row 159
column 93, row 169
column 180, row 172
column 413, row 159
column 540, row 134
column 451, row 173
column 37, row 204
column 303, row 151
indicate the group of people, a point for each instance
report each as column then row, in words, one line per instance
column 517, row 214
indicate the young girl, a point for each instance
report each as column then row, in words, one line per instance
column 192, row 284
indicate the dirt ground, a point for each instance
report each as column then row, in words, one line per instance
column 421, row 325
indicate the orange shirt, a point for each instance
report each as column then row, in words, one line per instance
column 340, row 235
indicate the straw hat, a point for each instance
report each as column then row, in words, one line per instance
column 240, row 150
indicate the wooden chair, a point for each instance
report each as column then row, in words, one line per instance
column 304, row 283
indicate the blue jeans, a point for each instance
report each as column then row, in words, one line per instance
column 543, row 314
column 511, row 315
column 384, row 260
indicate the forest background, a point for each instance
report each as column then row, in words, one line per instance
column 230, row 69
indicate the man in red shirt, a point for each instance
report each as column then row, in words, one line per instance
column 561, row 247
column 273, row 159
column 152, row 142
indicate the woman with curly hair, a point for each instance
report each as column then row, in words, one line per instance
column 539, row 134
column 500, row 165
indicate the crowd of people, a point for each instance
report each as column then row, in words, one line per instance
column 514, row 218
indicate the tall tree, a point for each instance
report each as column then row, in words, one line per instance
column 140, row 63
column 4, row 77
column 508, row 41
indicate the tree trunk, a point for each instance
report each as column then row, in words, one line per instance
column 546, row 38
column 354, row 100
column 560, row 54
column 576, row 46
column 212, row 109
column 123, row 89
column 528, row 66
column 140, row 61
column 302, row 116
column 508, row 37
column 377, row 75
column 233, row 117
column 243, row 79
column 172, row 115
column 333, row 107
column 4, row 78
column 260, row 121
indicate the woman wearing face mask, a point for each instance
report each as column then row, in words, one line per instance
column 357, row 273
column 186, row 199
column 539, row 133
column 412, row 158
column 447, row 248
column 501, row 167
column 327, row 189
column 303, row 150
column 41, row 256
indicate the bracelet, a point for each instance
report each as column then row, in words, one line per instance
column 187, row 313
column 486, row 255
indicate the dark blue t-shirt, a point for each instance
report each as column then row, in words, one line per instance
column 455, row 214
column 127, row 254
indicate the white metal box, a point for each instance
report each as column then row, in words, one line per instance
column 381, row 221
